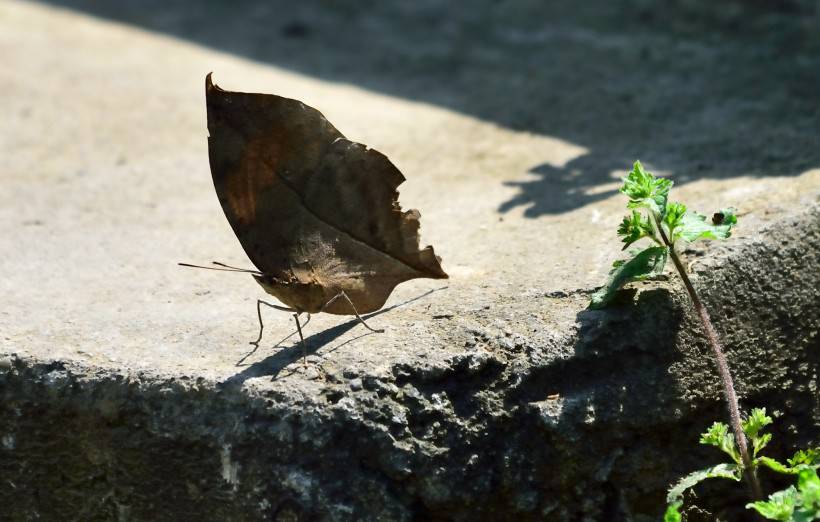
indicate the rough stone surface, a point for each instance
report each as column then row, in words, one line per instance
column 127, row 388
column 512, row 417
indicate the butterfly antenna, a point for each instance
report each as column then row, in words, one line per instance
column 226, row 269
column 217, row 263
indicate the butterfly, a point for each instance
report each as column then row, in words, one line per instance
column 317, row 214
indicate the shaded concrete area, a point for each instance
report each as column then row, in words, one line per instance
column 129, row 390
column 700, row 90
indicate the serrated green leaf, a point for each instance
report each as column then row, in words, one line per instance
column 719, row 436
column 806, row 458
column 780, row 505
column 672, row 217
column 756, row 421
column 637, row 183
column 775, row 465
column 694, row 226
column 672, row 513
column 648, row 262
column 801, row 504
column 808, row 483
column 804, row 501
column 802, row 515
column 806, row 515
column 758, row 443
column 726, row 471
column 634, row 227
column 645, row 190
column 714, row 435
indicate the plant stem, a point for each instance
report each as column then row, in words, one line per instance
column 722, row 365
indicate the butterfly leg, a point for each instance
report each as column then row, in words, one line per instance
column 301, row 338
column 256, row 343
column 259, row 304
column 342, row 294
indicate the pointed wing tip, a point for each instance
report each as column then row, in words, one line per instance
column 432, row 264
column 210, row 86
column 441, row 274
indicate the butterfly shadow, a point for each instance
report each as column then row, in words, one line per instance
column 274, row 364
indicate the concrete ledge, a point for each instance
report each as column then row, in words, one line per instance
column 127, row 389
column 524, row 421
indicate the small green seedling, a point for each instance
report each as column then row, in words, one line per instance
column 663, row 222
column 667, row 224
column 800, row 504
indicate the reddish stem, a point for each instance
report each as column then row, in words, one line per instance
column 723, row 369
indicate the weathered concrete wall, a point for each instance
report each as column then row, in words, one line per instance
column 523, row 422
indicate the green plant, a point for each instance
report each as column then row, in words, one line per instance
column 800, row 504
column 666, row 224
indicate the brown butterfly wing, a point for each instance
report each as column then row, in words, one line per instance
column 314, row 211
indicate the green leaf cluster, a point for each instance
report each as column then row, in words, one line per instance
column 720, row 437
column 809, row 458
column 634, row 227
column 800, row 504
column 645, row 190
column 673, row 218
column 793, row 501
column 662, row 221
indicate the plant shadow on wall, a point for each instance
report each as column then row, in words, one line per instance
column 562, row 189
column 707, row 90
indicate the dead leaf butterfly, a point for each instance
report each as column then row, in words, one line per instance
column 317, row 214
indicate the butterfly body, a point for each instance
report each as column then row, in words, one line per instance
column 308, row 294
